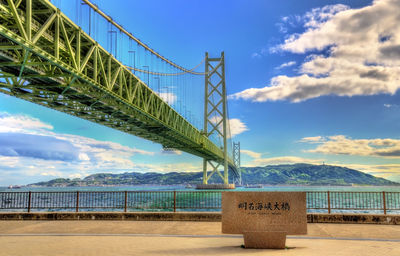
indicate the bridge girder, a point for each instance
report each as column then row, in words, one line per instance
column 47, row 59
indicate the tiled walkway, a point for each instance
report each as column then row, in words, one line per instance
column 184, row 238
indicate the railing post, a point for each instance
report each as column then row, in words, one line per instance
column 126, row 200
column 329, row 202
column 29, row 201
column 384, row 202
column 77, row 201
column 174, row 201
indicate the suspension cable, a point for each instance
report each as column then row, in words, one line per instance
column 109, row 19
column 169, row 74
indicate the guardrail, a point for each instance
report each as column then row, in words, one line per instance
column 354, row 201
column 327, row 201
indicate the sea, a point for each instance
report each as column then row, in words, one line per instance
column 211, row 201
column 185, row 188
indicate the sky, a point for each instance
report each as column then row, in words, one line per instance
column 307, row 82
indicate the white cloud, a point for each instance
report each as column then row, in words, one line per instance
column 175, row 167
column 83, row 157
column 18, row 123
column 359, row 55
column 14, row 170
column 250, row 153
column 283, row 160
column 286, row 64
column 28, row 147
column 282, row 27
column 288, row 22
column 36, row 146
column 342, row 145
column 168, row 97
column 171, row 151
column 52, row 173
column 315, row 139
column 237, row 126
column 256, row 55
column 258, row 160
column 387, row 105
column 318, row 16
column 386, row 171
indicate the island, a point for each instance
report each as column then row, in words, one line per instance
column 295, row 174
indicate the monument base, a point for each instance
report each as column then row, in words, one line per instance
column 264, row 240
column 215, row 186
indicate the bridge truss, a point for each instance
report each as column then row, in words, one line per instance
column 47, row 59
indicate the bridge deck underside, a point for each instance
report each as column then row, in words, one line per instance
column 48, row 60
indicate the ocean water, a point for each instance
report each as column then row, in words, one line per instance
column 343, row 199
column 183, row 188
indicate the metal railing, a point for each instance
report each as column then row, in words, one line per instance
column 354, row 201
column 327, row 201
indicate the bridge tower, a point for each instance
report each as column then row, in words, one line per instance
column 215, row 113
column 236, row 160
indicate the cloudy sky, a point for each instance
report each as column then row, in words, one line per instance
column 308, row 81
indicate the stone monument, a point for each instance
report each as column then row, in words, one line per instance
column 264, row 218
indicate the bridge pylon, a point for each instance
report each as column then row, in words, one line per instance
column 236, row 160
column 215, row 114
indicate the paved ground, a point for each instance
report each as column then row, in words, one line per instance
column 185, row 238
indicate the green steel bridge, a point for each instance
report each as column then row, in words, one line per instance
column 47, row 59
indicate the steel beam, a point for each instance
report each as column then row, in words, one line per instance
column 215, row 114
column 26, row 32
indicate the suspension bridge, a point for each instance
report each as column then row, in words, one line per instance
column 85, row 64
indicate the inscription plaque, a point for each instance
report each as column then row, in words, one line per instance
column 278, row 212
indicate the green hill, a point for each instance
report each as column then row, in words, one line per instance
column 296, row 174
column 307, row 174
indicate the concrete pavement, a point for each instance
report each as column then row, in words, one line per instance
column 185, row 238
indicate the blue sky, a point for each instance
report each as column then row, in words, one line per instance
column 308, row 81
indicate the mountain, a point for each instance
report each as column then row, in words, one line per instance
column 296, row 174
column 308, row 174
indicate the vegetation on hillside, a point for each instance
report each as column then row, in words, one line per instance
column 296, row 174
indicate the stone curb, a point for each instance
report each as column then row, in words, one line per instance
column 354, row 218
column 192, row 216
column 133, row 216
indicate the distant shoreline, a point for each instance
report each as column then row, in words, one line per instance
column 301, row 175
column 183, row 185
column 156, row 187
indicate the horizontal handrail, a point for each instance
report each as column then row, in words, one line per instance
column 329, row 201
